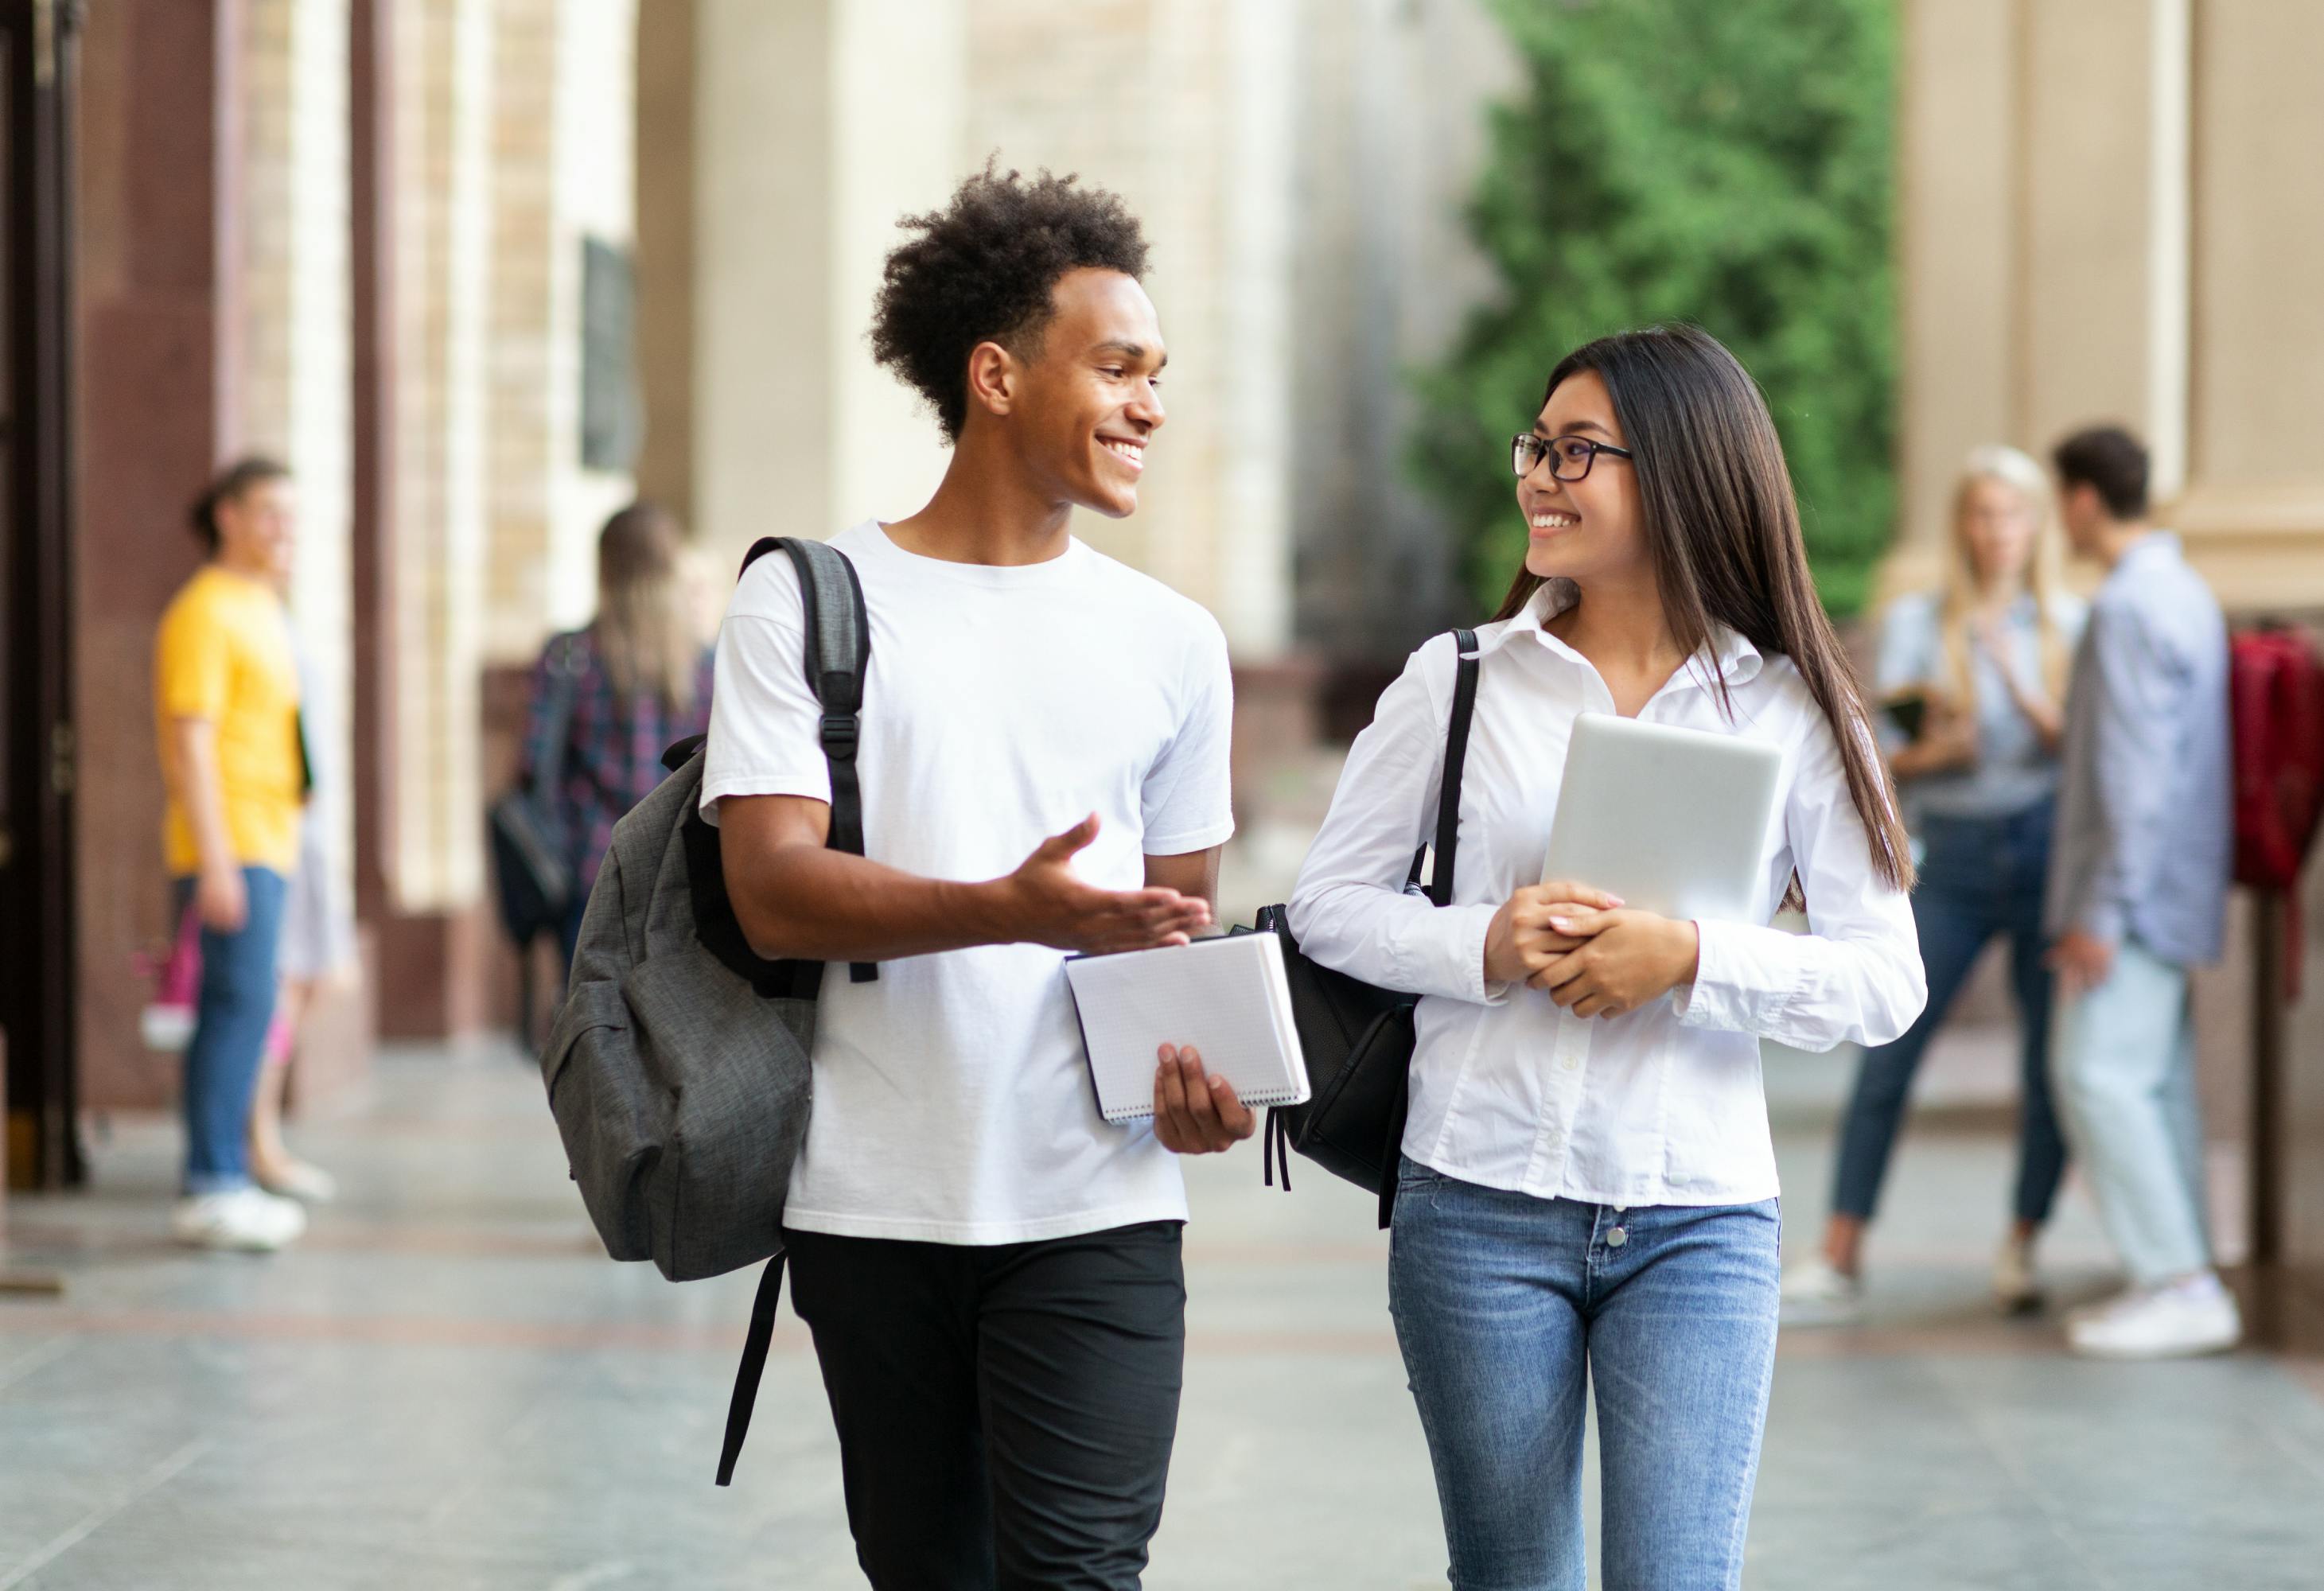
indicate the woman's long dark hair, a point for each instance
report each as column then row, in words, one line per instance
column 1724, row 529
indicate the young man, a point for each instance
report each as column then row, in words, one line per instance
column 226, row 698
column 990, row 1270
column 2138, row 887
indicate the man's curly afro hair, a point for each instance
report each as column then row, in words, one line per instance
column 980, row 270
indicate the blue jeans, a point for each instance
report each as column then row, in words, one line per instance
column 1508, row 1307
column 231, row 1015
column 2126, row 1073
column 1981, row 877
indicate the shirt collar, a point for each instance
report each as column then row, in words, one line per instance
column 1734, row 658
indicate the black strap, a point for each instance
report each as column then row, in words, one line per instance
column 564, row 686
column 1456, row 756
column 1448, row 847
column 753, row 1366
column 838, row 655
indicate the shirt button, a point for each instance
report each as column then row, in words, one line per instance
column 1571, row 1064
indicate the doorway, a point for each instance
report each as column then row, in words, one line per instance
column 38, row 63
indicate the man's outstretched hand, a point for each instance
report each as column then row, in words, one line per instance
column 1193, row 1112
column 1047, row 903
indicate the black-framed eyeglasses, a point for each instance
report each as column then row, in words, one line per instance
column 1570, row 457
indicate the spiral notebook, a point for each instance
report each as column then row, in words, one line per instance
column 1226, row 997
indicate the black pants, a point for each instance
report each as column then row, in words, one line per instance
column 1005, row 1413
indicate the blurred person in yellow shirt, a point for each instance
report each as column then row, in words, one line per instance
column 225, row 689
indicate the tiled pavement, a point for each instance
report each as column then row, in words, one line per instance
column 448, row 1386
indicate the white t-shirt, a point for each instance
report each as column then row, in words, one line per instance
column 952, row 1102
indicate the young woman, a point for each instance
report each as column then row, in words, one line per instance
column 1987, row 658
column 1588, row 1192
column 226, row 688
column 318, row 941
column 640, row 679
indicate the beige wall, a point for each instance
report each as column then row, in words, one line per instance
column 2255, row 495
column 2107, row 213
column 760, row 274
column 564, row 77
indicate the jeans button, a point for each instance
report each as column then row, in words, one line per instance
column 1618, row 1236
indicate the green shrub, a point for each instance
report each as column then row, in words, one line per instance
column 1723, row 161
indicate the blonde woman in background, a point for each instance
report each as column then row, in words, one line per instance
column 1974, row 676
column 640, row 679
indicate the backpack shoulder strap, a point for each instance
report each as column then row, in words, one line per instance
column 564, row 656
column 1447, row 838
column 1456, row 757
column 838, row 653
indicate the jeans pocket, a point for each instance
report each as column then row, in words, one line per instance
column 1416, row 1182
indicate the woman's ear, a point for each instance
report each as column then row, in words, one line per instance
column 993, row 374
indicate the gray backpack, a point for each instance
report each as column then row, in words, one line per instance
column 678, row 1067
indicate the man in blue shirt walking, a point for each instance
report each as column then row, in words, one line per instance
column 2137, row 897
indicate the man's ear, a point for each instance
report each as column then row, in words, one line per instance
column 995, row 376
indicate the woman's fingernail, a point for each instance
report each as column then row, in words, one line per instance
column 1562, row 924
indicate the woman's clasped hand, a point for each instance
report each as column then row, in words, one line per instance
column 1592, row 955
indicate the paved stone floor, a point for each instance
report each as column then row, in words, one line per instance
column 448, row 1386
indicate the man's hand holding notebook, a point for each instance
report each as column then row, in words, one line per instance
column 1214, row 1012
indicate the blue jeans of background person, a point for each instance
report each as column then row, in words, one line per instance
column 1980, row 876
column 2126, row 1059
column 1508, row 1307
column 231, row 1015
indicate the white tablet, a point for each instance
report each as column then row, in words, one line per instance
column 1675, row 820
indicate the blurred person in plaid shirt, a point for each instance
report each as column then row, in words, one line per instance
column 640, row 672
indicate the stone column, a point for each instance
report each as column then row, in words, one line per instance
column 296, row 381
column 442, row 91
column 816, row 126
column 665, row 155
column 159, row 306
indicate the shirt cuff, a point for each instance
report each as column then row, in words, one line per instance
column 1444, row 953
column 1186, row 842
column 814, row 787
column 1745, row 976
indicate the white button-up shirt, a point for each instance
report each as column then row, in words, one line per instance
column 1661, row 1106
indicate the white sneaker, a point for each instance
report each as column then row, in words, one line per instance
column 247, row 1218
column 2015, row 1289
column 2099, row 1307
column 2197, row 1315
column 1815, row 1293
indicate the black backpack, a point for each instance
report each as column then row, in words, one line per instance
column 1357, row 1039
column 677, row 1068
